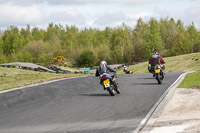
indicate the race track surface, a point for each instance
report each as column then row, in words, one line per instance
column 80, row 105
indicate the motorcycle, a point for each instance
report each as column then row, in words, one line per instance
column 159, row 73
column 128, row 72
column 109, row 84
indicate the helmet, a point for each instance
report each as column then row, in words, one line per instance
column 156, row 53
column 104, row 62
column 124, row 66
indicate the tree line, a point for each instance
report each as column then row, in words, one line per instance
column 87, row 47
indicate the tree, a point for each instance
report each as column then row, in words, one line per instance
column 139, row 40
column 179, row 41
column 89, row 46
column 11, row 39
column 2, row 56
column 26, row 34
column 167, row 30
column 193, row 40
column 154, row 42
column 1, row 45
column 37, row 34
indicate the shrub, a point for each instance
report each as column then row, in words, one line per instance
column 86, row 59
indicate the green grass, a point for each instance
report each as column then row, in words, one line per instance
column 13, row 77
column 182, row 63
column 192, row 80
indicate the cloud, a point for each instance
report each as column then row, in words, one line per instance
column 117, row 18
column 189, row 15
column 97, row 1
column 69, row 2
column 71, row 15
column 12, row 14
column 135, row 17
column 109, row 18
column 95, row 13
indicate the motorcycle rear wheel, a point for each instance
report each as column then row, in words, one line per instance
column 158, row 78
column 111, row 91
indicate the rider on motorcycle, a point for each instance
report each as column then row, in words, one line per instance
column 104, row 68
column 154, row 60
column 125, row 69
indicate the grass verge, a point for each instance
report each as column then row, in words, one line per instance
column 192, row 80
column 182, row 63
column 13, row 77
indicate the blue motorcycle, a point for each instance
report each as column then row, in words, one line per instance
column 109, row 84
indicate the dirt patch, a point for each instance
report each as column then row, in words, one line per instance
column 195, row 87
column 28, row 66
column 35, row 67
column 23, row 64
column 181, row 114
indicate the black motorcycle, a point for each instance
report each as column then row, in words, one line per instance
column 158, row 72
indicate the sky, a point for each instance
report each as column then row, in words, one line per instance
column 95, row 13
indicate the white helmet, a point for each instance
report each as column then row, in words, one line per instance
column 156, row 53
column 104, row 62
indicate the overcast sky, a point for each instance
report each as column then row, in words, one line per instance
column 95, row 13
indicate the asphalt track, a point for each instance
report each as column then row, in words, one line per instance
column 80, row 105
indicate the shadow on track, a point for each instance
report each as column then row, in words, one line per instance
column 146, row 78
column 146, row 83
column 104, row 94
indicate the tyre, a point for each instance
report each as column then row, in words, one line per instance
column 162, row 75
column 158, row 78
column 117, row 90
column 111, row 91
column 115, row 87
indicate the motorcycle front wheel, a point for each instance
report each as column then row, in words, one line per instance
column 115, row 87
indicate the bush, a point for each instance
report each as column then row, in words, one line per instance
column 2, row 58
column 86, row 59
